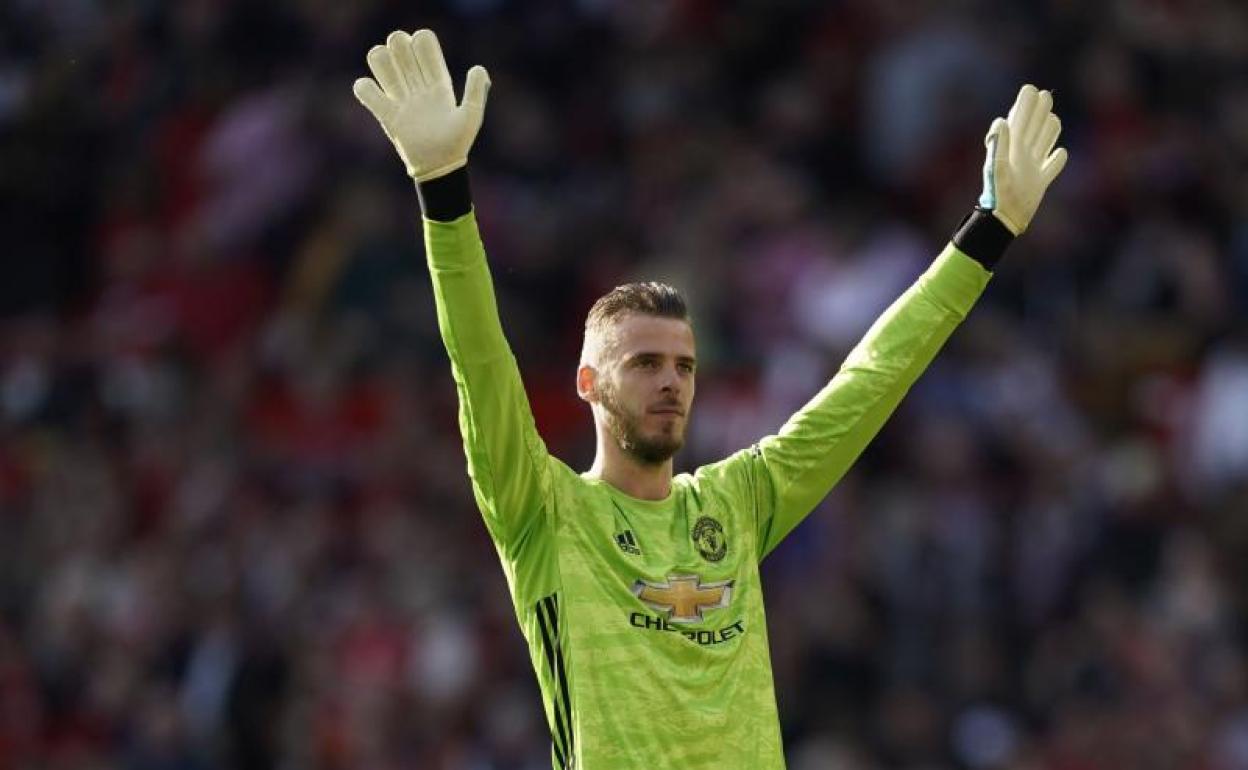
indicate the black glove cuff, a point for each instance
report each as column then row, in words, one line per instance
column 446, row 198
column 982, row 237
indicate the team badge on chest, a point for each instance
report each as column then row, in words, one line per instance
column 708, row 538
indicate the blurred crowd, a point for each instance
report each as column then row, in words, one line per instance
column 235, row 527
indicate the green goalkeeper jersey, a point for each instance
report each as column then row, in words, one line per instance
column 644, row 619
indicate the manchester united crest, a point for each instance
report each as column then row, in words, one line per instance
column 708, row 538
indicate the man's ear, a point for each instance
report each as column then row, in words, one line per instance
column 586, row 379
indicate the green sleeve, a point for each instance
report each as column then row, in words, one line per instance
column 795, row 468
column 506, row 456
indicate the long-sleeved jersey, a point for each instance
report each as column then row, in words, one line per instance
column 644, row 618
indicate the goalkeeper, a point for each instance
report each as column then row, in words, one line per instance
column 638, row 591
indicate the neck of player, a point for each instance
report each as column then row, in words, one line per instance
column 627, row 473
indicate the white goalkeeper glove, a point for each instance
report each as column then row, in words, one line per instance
column 415, row 103
column 1021, row 161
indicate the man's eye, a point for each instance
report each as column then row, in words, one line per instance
column 686, row 368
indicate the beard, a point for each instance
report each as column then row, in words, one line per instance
column 625, row 427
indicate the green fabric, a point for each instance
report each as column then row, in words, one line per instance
column 599, row 579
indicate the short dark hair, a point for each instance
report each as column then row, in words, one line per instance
column 647, row 298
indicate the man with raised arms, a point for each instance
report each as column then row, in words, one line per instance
column 638, row 590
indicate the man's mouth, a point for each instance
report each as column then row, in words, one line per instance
column 667, row 409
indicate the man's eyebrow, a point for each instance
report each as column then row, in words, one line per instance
column 654, row 354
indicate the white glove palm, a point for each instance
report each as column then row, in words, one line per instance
column 415, row 103
column 1021, row 162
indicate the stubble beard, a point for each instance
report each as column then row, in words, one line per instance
column 625, row 428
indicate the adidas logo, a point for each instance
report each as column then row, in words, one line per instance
column 627, row 543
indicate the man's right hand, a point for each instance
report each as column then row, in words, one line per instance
column 415, row 103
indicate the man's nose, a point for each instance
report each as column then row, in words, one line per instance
column 670, row 382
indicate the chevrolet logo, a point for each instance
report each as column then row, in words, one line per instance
column 684, row 597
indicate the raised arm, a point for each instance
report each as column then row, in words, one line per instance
column 795, row 468
column 413, row 100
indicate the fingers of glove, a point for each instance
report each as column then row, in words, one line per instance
column 428, row 53
column 476, row 88
column 383, row 68
column 1053, row 165
column 370, row 95
column 1020, row 113
column 1036, row 121
column 1048, row 136
column 399, row 45
column 1024, row 103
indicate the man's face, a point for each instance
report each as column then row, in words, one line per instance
column 643, row 387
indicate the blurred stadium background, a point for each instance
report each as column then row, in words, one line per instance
column 235, row 528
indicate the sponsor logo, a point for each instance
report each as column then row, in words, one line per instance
column 627, row 543
column 683, row 598
column 708, row 537
column 703, row 638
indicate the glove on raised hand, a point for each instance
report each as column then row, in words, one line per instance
column 415, row 103
column 1021, row 162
